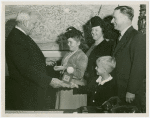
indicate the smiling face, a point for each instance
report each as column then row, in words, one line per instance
column 73, row 44
column 118, row 20
column 96, row 32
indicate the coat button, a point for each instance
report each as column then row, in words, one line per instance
column 93, row 100
column 95, row 91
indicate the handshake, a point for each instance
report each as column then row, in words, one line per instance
column 56, row 83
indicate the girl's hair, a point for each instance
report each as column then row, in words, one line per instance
column 72, row 32
column 107, row 62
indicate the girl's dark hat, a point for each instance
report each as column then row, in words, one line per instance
column 97, row 21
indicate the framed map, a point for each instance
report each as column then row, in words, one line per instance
column 55, row 19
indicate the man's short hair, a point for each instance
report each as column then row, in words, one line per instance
column 23, row 16
column 126, row 10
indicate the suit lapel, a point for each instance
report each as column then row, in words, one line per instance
column 123, row 40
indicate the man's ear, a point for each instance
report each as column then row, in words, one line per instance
column 126, row 18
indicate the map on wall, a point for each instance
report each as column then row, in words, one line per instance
column 55, row 19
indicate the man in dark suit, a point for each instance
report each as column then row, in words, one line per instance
column 130, row 54
column 27, row 67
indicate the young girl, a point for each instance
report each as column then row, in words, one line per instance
column 103, row 87
column 77, row 60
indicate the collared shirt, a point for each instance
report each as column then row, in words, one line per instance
column 100, row 82
column 20, row 29
column 123, row 31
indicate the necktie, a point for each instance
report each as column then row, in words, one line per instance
column 119, row 37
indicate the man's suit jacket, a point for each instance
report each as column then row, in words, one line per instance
column 130, row 54
column 27, row 70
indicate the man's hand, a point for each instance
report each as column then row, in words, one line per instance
column 50, row 62
column 73, row 85
column 56, row 83
column 130, row 97
column 65, row 85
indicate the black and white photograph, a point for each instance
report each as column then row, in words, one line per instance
column 75, row 58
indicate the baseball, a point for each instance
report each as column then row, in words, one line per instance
column 70, row 70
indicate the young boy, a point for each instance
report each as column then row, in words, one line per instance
column 103, row 87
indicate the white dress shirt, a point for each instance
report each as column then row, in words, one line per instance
column 20, row 29
column 100, row 82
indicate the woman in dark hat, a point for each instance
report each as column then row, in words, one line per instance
column 101, row 47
